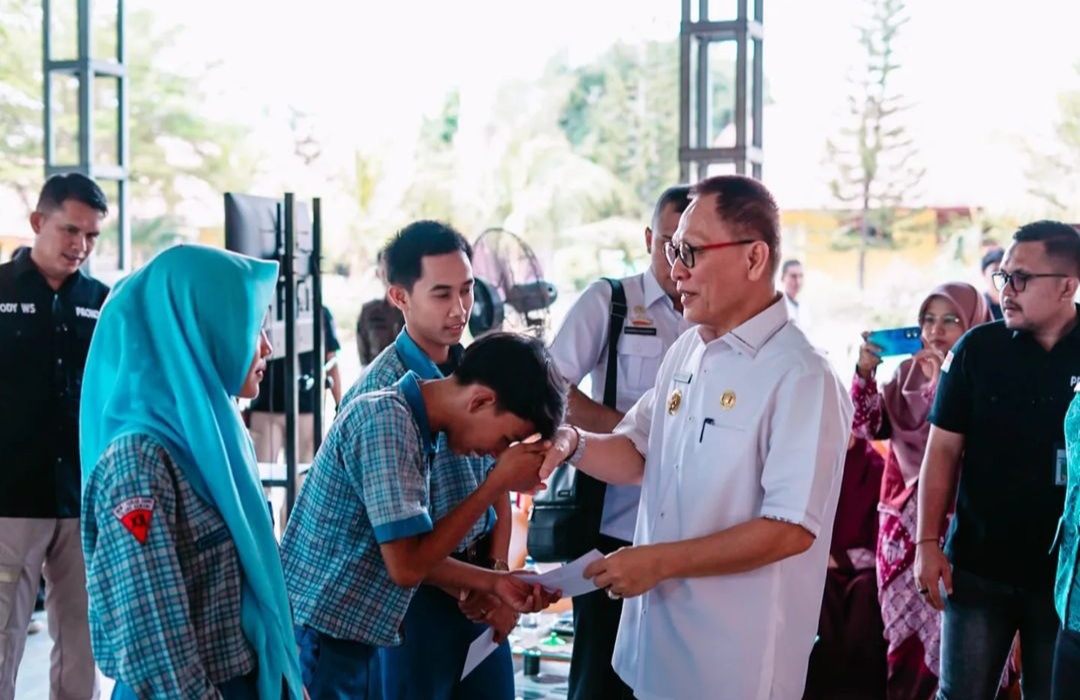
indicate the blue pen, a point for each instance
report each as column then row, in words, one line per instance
column 707, row 421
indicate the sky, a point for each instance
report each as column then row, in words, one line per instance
column 981, row 77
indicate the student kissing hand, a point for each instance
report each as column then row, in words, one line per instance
column 562, row 446
column 518, row 467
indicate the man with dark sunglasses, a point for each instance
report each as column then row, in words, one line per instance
column 997, row 420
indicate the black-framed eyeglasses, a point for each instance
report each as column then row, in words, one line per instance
column 1018, row 280
column 685, row 252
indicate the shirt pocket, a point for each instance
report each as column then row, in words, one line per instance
column 721, row 450
column 639, row 357
column 215, row 563
column 18, row 336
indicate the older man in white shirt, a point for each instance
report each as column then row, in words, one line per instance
column 654, row 322
column 739, row 448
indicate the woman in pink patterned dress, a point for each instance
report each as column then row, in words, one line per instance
column 900, row 412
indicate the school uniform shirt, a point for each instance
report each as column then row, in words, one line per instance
column 753, row 424
column 1067, row 581
column 453, row 477
column 163, row 576
column 44, row 338
column 580, row 349
column 367, row 486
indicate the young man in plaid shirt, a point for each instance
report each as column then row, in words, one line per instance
column 361, row 539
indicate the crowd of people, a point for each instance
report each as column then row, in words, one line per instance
column 935, row 514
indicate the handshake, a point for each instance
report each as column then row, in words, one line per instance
column 524, row 466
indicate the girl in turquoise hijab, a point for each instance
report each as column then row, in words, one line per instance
column 187, row 597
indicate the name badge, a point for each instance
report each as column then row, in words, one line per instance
column 639, row 330
column 1061, row 465
column 682, row 377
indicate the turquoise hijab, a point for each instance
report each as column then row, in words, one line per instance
column 172, row 346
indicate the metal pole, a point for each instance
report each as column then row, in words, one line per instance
column 318, row 345
column 86, row 91
column 291, row 369
column 46, row 55
column 684, row 92
column 741, row 76
column 122, row 145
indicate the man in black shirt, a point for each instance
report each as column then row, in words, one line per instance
column 48, row 310
column 998, row 421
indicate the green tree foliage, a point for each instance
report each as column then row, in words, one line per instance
column 175, row 147
column 580, row 145
column 20, row 98
column 622, row 113
column 873, row 154
column 431, row 193
column 1054, row 175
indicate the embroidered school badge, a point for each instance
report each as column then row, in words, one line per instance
column 134, row 514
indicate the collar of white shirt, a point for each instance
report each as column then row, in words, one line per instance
column 653, row 292
column 751, row 335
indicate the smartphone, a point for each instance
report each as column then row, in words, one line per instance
column 897, row 341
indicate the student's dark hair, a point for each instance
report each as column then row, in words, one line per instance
column 748, row 207
column 60, row 188
column 522, row 374
column 788, row 264
column 677, row 197
column 1061, row 241
column 409, row 246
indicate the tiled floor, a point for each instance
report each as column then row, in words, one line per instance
column 33, row 681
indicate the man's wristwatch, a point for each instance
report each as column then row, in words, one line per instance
column 579, row 450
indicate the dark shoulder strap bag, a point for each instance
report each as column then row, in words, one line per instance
column 565, row 518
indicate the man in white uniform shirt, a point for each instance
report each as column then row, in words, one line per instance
column 654, row 320
column 739, row 448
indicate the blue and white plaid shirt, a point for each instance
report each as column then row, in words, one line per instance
column 453, row 477
column 368, row 485
column 164, row 611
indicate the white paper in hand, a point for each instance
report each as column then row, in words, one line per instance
column 568, row 578
column 481, row 648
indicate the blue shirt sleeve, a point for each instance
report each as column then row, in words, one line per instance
column 388, row 468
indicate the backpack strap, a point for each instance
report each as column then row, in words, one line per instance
column 615, row 326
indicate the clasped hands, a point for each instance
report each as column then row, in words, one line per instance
column 501, row 608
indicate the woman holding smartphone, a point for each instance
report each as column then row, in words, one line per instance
column 899, row 412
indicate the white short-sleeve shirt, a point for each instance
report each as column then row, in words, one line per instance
column 580, row 349
column 753, row 424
